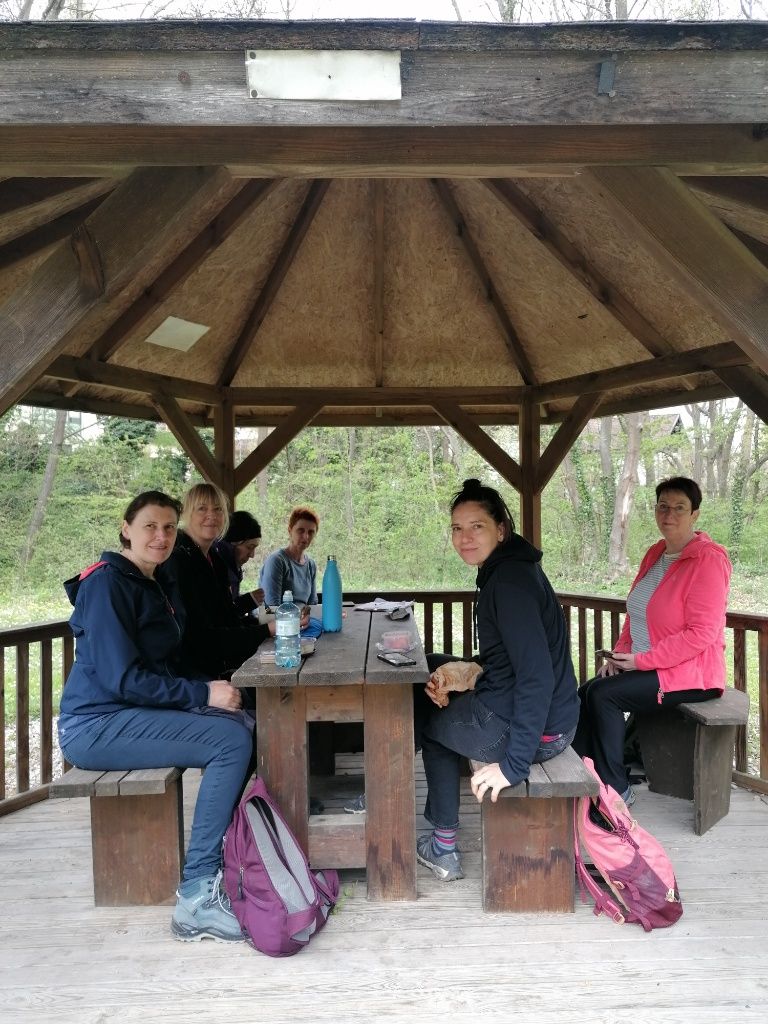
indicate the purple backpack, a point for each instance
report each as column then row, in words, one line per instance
column 279, row 902
column 628, row 859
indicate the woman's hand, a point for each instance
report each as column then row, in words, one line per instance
column 436, row 691
column 306, row 611
column 489, row 778
column 623, row 662
column 608, row 668
column 224, row 695
column 257, row 596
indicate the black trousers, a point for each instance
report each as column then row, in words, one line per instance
column 604, row 701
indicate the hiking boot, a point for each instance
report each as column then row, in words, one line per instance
column 356, row 805
column 628, row 796
column 205, row 913
column 445, row 866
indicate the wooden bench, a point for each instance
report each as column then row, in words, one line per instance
column 527, row 838
column 137, row 832
column 688, row 753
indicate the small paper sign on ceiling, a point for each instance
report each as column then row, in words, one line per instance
column 347, row 75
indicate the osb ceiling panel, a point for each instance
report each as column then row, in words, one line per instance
column 564, row 329
column 319, row 329
column 439, row 327
column 621, row 258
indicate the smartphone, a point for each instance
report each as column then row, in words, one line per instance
column 393, row 658
column 602, row 653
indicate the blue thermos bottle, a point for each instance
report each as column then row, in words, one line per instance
column 331, row 597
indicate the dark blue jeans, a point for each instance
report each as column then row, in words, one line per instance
column 160, row 737
column 466, row 728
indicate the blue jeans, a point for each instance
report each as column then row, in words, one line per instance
column 159, row 737
column 466, row 728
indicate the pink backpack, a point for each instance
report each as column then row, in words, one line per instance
column 278, row 901
column 630, row 860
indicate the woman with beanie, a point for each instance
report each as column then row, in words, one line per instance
column 237, row 547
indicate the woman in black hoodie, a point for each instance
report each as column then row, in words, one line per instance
column 524, row 706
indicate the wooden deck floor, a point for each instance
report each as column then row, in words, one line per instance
column 434, row 960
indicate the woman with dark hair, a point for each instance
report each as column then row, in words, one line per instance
column 126, row 705
column 523, row 708
column 237, row 547
column 291, row 568
column 672, row 644
column 216, row 637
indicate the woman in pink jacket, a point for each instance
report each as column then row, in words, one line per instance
column 671, row 647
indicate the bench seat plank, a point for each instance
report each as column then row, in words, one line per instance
column 76, row 782
column 730, row 709
column 109, row 784
column 148, row 781
column 569, row 776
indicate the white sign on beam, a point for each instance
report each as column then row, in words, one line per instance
column 349, row 75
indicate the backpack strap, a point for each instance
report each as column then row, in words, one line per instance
column 604, row 904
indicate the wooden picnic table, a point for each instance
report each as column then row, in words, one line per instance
column 344, row 681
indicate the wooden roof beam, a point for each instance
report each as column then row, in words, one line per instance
column 750, row 386
column 493, row 453
column 36, row 240
column 124, row 378
column 185, row 433
column 740, row 201
column 693, row 245
column 282, row 435
column 277, row 275
column 579, row 416
column 220, row 227
column 145, row 214
column 508, row 332
column 26, row 204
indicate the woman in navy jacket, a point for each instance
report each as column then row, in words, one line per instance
column 523, row 708
column 126, row 706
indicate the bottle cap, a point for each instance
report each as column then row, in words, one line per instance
column 331, row 558
column 287, row 596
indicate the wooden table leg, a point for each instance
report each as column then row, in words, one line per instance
column 389, row 791
column 281, row 743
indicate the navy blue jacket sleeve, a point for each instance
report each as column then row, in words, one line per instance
column 522, row 631
column 106, row 616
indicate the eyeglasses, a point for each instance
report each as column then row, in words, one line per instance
column 677, row 510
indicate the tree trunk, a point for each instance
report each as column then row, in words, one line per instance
column 739, row 486
column 617, row 548
column 46, row 486
column 607, row 481
column 262, row 478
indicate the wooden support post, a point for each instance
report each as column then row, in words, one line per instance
column 530, row 454
column 390, row 794
column 528, row 859
column 224, row 447
column 138, row 847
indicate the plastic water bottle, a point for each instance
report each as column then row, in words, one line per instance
column 331, row 597
column 287, row 640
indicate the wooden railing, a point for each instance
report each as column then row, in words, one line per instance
column 35, row 659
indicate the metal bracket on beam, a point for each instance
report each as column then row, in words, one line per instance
column 607, row 79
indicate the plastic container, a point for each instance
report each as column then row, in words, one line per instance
column 331, row 597
column 396, row 640
column 287, row 640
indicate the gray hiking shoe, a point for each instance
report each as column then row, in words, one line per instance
column 355, row 806
column 205, row 914
column 628, row 796
column 445, row 866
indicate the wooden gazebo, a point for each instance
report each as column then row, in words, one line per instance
column 551, row 223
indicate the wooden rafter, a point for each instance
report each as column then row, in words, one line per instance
column 124, row 378
column 508, row 332
column 183, row 430
column 750, row 386
column 581, row 413
column 26, row 204
column 207, row 241
column 282, row 435
column 43, row 237
column 557, row 243
column 686, row 237
column 378, row 281
column 493, row 453
column 145, row 213
column 742, row 202
column 277, row 275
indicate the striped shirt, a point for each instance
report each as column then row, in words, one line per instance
column 637, row 603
